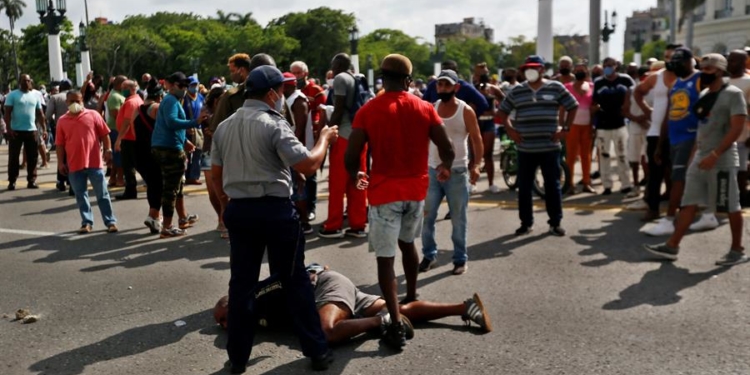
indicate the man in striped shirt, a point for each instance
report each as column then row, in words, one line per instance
column 537, row 132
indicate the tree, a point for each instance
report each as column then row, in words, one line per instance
column 383, row 42
column 7, row 72
column 628, row 56
column 14, row 10
column 654, row 49
column 34, row 53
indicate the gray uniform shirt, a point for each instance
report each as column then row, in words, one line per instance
column 343, row 85
column 57, row 106
column 713, row 128
column 256, row 146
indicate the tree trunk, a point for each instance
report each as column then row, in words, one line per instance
column 13, row 44
column 690, row 28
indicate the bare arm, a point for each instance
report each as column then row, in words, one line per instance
column 299, row 111
column 216, row 179
column 312, row 163
column 642, row 90
column 339, row 106
column 41, row 122
column 8, row 110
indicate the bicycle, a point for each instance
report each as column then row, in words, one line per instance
column 509, row 167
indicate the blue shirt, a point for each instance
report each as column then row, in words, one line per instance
column 537, row 113
column 466, row 92
column 682, row 122
column 193, row 107
column 171, row 123
column 25, row 105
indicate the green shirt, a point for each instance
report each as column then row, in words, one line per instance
column 114, row 103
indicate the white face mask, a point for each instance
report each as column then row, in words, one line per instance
column 75, row 108
column 531, row 75
column 329, row 82
column 378, row 86
column 279, row 103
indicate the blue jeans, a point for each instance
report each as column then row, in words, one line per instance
column 79, row 183
column 193, row 171
column 456, row 192
column 527, row 165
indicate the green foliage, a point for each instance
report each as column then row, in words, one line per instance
column 33, row 52
column 654, row 49
column 382, row 42
column 628, row 56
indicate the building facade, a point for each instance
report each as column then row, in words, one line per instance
column 720, row 26
column 646, row 26
column 468, row 29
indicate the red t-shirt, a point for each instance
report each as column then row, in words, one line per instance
column 80, row 136
column 316, row 96
column 131, row 105
column 398, row 132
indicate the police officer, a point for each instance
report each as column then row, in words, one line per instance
column 251, row 156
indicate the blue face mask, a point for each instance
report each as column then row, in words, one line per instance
column 192, row 90
column 608, row 70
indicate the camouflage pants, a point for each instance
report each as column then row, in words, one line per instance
column 172, row 165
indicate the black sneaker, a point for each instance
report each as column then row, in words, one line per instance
column 322, row 362
column 427, row 264
column 643, row 183
column 447, row 216
column 662, row 251
column 626, row 190
column 32, row 185
column 524, row 230
column 395, row 336
column 330, row 233
column 357, row 233
column 71, row 193
column 60, row 186
column 557, row 231
column 307, row 228
column 125, row 196
column 235, row 369
column 385, row 322
column 607, row 192
column 596, row 175
column 732, row 258
column 12, row 186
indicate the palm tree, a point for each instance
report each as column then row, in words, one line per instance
column 687, row 13
column 244, row 20
column 14, row 11
column 220, row 16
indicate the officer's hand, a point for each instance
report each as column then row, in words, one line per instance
column 330, row 133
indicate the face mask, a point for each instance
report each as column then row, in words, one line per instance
column 179, row 93
column 125, row 93
column 446, row 96
column 608, row 71
column 329, row 82
column 484, row 78
column 192, row 90
column 564, row 71
column 75, row 108
column 580, row 76
column 301, row 83
column 680, row 70
column 378, row 86
column 707, row 79
column 279, row 103
column 531, row 75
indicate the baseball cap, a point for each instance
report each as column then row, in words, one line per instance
column 193, row 81
column 263, row 78
column 714, row 60
column 289, row 79
column 533, row 61
column 179, row 79
column 682, row 54
column 448, row 75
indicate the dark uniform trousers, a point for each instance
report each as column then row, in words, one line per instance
column 254, row 225
column 29, row 141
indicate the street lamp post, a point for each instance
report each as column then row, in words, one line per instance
column 370, row 72
column 607, row 31
column 85, row 54
column 65, row 63
column 440, row 55
column 53, row 18
column 354, row 40
column 79, row 67
column 638, row 45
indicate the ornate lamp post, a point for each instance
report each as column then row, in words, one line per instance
column 370, row 72
column 79, row 67
column 607, row 31
column 85, row 54
column 65, row 64
column 53, row 18
column 354, row 41
column 638, row 45
column 439, row 56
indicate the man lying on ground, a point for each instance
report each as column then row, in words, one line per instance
column 345, row 311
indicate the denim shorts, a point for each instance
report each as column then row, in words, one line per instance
column 680, row 155
column 206, row 161
column 393, row 222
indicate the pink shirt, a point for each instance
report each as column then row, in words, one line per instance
column 583, row 116
column 132, row 103
column 80, row 135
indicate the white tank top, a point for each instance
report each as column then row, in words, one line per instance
column 309, row 140
column 457, row 134
column 661, row 104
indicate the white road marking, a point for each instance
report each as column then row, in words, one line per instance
column 35, row 233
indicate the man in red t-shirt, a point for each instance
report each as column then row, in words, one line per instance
column 125, row 143
column 78, row 137
column 397, row 127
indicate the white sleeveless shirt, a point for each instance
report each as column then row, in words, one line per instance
column 309, row 140
column 455, row 126
column 661, row 104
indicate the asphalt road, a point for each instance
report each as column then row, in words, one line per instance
column 589, row 303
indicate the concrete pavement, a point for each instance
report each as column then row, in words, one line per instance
column 589, row 303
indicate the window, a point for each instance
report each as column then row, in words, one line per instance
column 723, row 9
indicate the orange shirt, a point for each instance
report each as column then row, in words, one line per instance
column 398, row 132
column 132, row 103
column 80, row 135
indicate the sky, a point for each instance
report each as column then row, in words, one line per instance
column 416, row 17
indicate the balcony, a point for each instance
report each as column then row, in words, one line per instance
column 747, row 9
column 723, row 13
column 699, row 17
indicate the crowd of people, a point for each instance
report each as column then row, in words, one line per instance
column 393, row 151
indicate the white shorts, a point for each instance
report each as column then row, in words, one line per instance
column 636, row 142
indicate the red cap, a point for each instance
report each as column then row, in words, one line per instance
column 290, row 79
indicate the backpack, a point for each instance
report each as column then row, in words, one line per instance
column 361, row 96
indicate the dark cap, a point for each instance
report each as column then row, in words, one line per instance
column 263, row 78
column 448, row 75
column 179, row 79
column 682, row 54
column 533, row 61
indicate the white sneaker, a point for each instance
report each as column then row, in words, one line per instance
column 638, row 205
column 706, row 222
column 473, row 189
column 634, row 193
column 494, row 189
column 663, row 227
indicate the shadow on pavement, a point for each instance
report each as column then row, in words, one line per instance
column 660, row 287
column 124, row 344
column 611, row 241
